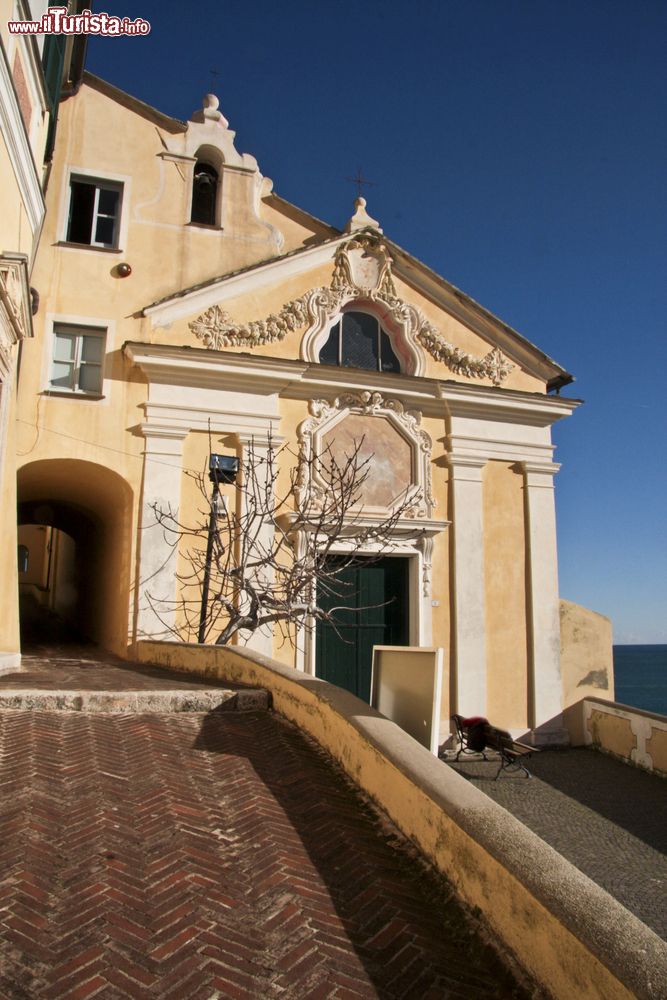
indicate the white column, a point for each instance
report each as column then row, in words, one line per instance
column 469, row 613
column 546, row 701
column 258, row 447
column 156, row 577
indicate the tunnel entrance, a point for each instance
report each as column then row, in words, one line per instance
column 74, row 545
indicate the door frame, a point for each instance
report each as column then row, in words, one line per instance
column 419, row 602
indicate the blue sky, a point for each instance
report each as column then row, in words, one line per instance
column 519, row 148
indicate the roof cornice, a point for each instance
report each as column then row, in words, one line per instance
column 133, row 103
column 195, row 366
column 228, row 286
column 421, row 278
column 293, row 379
column 440, row 291
column 507, row 405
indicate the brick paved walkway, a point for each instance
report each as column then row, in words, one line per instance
column 606, row 817
column 70, row 667
column 196, row 857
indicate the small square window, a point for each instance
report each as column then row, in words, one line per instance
column 94, row 212
column 76, row 366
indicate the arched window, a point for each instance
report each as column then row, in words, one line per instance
column 204, row 194
column 358, row 341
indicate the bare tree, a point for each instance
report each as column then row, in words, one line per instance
column 265, row 557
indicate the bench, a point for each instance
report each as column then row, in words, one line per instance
column 512, row 753
column 470, row 734
column 476, row 735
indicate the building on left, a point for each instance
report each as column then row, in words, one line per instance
column 36, row 73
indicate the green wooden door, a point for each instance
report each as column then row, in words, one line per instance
column 375, row 596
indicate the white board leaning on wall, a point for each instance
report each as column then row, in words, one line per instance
column 406, row 686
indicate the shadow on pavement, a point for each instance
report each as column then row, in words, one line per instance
column 606, row 817
column 625, row 795
column 345, row 859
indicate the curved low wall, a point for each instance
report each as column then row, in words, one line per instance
column 567, row 932
column 627, row 733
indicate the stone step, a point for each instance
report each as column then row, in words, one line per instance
column 137, row 702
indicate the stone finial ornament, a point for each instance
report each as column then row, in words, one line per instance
column 361, row 219
column 209, row 112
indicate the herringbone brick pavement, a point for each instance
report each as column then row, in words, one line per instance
column 203, row 857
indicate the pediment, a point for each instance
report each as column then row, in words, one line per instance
column 361, row 270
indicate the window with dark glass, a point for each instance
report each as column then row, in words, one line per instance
column 358, row 341
column 204, row 194
column 94, row 213
column 24, row 558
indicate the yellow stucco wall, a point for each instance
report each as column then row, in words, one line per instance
column 586, row 658
column 18, row 234
column 194, row 518
column 505, row 594
column 612, row 732
column 15, row 236
column 15, row 233
column 165, row 252
column 656, row 746
column 9, row 619
column 587, row 666
column 81, row 285
column 631, row 734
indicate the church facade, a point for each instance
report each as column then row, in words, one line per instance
column 187, row 308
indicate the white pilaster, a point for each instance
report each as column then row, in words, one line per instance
column 156, row 578
column 546, row 701
column 469, row 615
column 258, row 448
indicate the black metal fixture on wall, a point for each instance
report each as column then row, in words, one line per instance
column 222, row 469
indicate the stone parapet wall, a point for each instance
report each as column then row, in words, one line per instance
column 564, row 930
column 586, row 654
column 627, row 733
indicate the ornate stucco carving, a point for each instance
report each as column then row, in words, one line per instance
column 425, row 543
column 325, row 415
column 15, row 322
column 216, row 330
column 362, row 271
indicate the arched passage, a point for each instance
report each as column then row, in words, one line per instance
column 75, row 519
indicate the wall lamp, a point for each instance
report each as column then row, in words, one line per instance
column 222, row 470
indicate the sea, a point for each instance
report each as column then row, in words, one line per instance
column 640, row 674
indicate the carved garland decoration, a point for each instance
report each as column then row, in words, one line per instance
column 216, row 329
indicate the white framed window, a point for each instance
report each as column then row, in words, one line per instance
column 77, row 359
column 94, row 213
